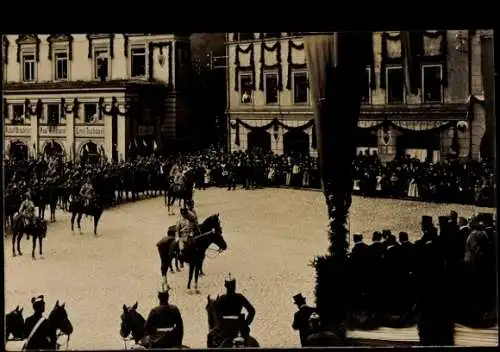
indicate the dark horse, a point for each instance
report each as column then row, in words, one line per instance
column 78, row 208
column 58, row 324
column 210, row 232
column 14, row 325
column 133, row 323
column 38, row 230
column 224, row 333
column 182, row 191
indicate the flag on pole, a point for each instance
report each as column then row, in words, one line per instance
column 155, row 146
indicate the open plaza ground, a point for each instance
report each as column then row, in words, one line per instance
column 272, row 235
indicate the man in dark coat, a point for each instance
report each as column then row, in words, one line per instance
column 164, row 326
column 376, row 253
column 301, row 318
column 230, row 305
column 406, row 249
column 359, row 275
column 38, row 327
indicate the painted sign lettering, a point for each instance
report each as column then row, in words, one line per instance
column 17, row 130
column 89, row 131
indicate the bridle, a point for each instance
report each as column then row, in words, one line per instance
column 67, row 339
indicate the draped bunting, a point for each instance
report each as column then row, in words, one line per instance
column 291, row 65
column 407, row 126
column 251, row 67
column 275, row 48
column 274, row 124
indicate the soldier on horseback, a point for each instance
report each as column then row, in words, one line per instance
column 27, row 210
column 164, row 326
column 185, row 229
column 229, row 308
column 87, row 192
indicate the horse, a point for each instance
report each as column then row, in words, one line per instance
column 52, row 197
column 210, row 232
column 175, row 192
column 14, row 325
column 58, row 324
column 38, row 230
column 12, row 204
column 78, row 208
column 223, row 333
column 133, row 323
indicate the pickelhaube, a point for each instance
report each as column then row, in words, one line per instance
column 229, row 280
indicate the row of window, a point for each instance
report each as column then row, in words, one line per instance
column 251, row 36
column 90, row 113
column 395, row 87
column 101, row 64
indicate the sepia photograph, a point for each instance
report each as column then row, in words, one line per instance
column 237, row 190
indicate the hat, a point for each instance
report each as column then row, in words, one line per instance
column 486, row 218
column 427, row 220
column 443, row 220
column 229, row 280
column 299, row 299
column 37, row 300
column 454, row 214
column 357, row 237
column 164, row 292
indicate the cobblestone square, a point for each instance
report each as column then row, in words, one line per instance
column 272, row 235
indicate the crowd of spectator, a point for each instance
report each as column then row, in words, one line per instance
column 450, row 181
column 451, row 270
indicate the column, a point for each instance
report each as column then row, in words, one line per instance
column 108, row 139
column 121, row 147
column 70, row 136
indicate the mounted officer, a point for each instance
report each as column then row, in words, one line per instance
column 27, row 210
column 185, row 229
column 164, row 326
column 87, row 192
column 229, row 307
column 37, row 328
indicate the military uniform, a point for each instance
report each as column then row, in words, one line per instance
column 229, row 308
column 44, row 338
column 27, row 211
column 165, row 327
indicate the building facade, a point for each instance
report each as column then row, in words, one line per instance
column 108, row 95
column 270, row 105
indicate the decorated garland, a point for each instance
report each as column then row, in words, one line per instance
column 274, row 124
column 160, row 45
column 418, row 44
column 21, row 39
column 275, row 48
column 443, row 57
column 291, row 65
column 30, row 112
column 5, row 43
column 113, row 110
column 56, row 37
column 390, row 124
column 251, row 67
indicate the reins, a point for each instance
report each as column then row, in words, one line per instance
column 215, row 252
